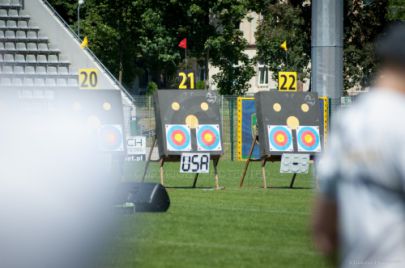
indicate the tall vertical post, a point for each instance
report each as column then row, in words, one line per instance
column 78, row 20
column 327, row 48
column 79, row 4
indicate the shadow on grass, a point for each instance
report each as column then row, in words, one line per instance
column 289, row 188
column 190, row 187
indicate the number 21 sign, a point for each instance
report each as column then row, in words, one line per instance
column 287, row 81
column 187, row 80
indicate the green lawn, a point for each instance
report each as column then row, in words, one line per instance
column 248, row 227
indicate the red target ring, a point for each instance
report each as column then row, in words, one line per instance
column 280, row 138
column 178, row 137
column 308, row 138
column 208, row 137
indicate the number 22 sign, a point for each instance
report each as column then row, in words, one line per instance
column 287, row 81
column 186, row 80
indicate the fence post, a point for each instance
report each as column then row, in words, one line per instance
column 231, row 123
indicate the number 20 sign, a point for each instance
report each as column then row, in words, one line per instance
column 88, row 78
column 287, row 81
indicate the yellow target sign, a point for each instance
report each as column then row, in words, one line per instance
column 287, row 81
column 88, row 78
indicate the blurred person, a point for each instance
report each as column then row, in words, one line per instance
column 55, row 189
column 359, row 214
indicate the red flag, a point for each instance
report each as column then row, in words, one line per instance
column 183, row 43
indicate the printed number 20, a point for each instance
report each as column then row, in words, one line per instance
column 184, row 78
column 88, row 79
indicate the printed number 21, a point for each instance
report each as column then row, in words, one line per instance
column 184, row 78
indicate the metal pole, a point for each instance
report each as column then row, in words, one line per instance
column 327, row 48
column 231, row 125
column 78, row 20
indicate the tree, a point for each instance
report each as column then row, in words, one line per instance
column 283, row 21
column 291, row 21
column 135, row 36
column 227, row 47
column 363, row 23
column 396, row 10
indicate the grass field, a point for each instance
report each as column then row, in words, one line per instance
column 248, row 227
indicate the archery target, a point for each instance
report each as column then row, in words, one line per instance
column 208, row 138
column 280, row 139
column 178, row 138
column 308, row 139
column 111, row 138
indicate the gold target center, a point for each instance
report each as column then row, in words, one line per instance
column 280, row 138
column 293, row 122
column 192, row 121
column 208, row 137
column 308, row 138
column 178, row 137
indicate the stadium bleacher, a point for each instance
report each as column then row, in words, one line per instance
column 28, row 58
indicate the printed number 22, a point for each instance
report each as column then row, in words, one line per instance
column 184, row 78
column 285, row 79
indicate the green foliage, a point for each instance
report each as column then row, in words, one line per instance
column 396, row 10
column 291, row 21
column 227, row 47
column 152, row 87
column 363, row 23
column 200, row 84
column 132, row 37
column 284, row 22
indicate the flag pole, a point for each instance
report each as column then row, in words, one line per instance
column 286, row 59
column 186, row 59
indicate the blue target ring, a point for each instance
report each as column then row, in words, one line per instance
column 111, row 138
column 186, row 134
column 273, row 139
column 211, row 145
column 313, row 133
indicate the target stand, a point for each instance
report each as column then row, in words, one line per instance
column 176, row 158
column 187, row 122
column 263, row 160
column 288, row 127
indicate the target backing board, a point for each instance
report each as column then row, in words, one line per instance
column 197, row 110
column 288, row 111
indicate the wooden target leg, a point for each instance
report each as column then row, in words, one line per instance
column 195, row 180
column 293, row 180
column 216, row 160
column 242, row 178
column 264, row 173
column 149, row 159
column 162, row 162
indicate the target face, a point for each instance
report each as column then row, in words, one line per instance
column 308, row 139
column 111, row 138
column 178, row 138
column 280, row 139
column 208, row 138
